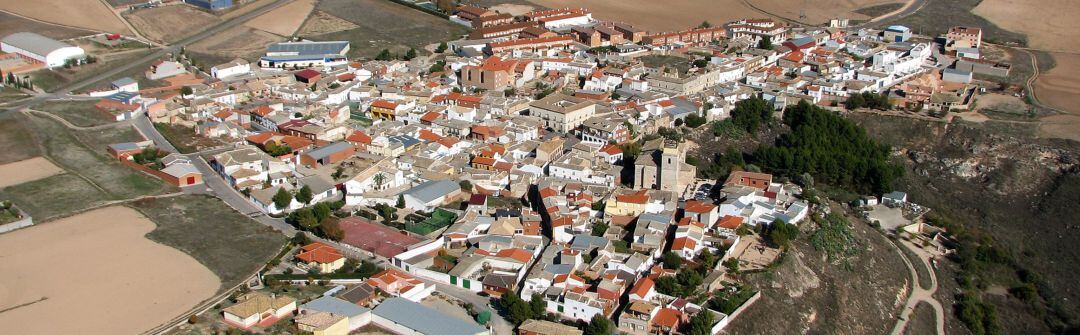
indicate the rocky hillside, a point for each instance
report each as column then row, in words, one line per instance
column 998, row 179
column 806, row 293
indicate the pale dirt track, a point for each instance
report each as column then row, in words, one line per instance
column 95, row 273
column 681, row 14
column 89, row 14
column 27, row 171
column 285, row 20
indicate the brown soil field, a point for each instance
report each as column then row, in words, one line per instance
column 323, row 23
column 95, row 273
column 1060, row 88
column 680, row 14
column 1048, row 24
column 512, row 9
column 170, row 23
column 10, row 24
column 90, row 14
column 236, row 42
column 285, row 19
column 27, row 170
column 818, row 11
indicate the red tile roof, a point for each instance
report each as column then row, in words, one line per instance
column 642, row 287
column 694, row 206
column 730, row 222
column 319, row 253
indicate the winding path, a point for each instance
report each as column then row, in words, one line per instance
column 919, row 294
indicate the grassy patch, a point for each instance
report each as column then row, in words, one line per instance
column 938, row 16
column 879, row 10
column 16, row 142
column 65, row 148
column 228, row 243
column 54, row 196
column 8, row 94
column 921, row 320
column 79, row 113
column 680, row 63
column 386, row 25
column 184, row 138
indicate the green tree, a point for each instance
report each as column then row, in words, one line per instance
column 701, row 63
column 599, row 228
column 781, row 233
column 186, row 90
column 441, row 48
column 599, row 325
column 732, row 265
column 300, row 238
column 705, row 24
column 282, row 199
column 672, row 260
column 466, row 185
column 701, row 323
column 331, row 228
column 537, row 305
column 306, row 218
column 750, row 114
column 765, row 43
column 695, row 120
column 304, row 195
column 400, row 201
column 409, row 55
column 322, row 211
column 384, row 55
column 379, row 180
column 517, row 310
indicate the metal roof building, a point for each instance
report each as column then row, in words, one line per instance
column 41, row 49
column 305, row 54
column 406, row 317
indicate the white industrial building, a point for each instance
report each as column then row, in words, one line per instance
column 41, row 49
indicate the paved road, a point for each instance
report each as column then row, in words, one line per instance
column 919, row 294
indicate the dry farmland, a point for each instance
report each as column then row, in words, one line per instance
column 27, row 170
column 1048, row 24
column 323, row 23
column 1060, row 88
column 386, row 25
column 10, row 24
column 100, row 272
column 170, row 23
column 89, row 14
column 284, row 20
column 236, row 42
column 680, row 14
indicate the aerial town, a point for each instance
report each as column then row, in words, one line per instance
column 541, row 171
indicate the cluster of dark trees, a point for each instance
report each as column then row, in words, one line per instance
column 385, row 54
column 750, row 114
column 318, row 218
column 868, row 100
column 831, row 149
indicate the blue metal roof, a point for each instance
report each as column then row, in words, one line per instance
column 432, row 189
column 423, row 319
column 309, row 47
column 335, row 306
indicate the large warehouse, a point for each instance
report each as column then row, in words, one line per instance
column 211, row 4
column 41, row 49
